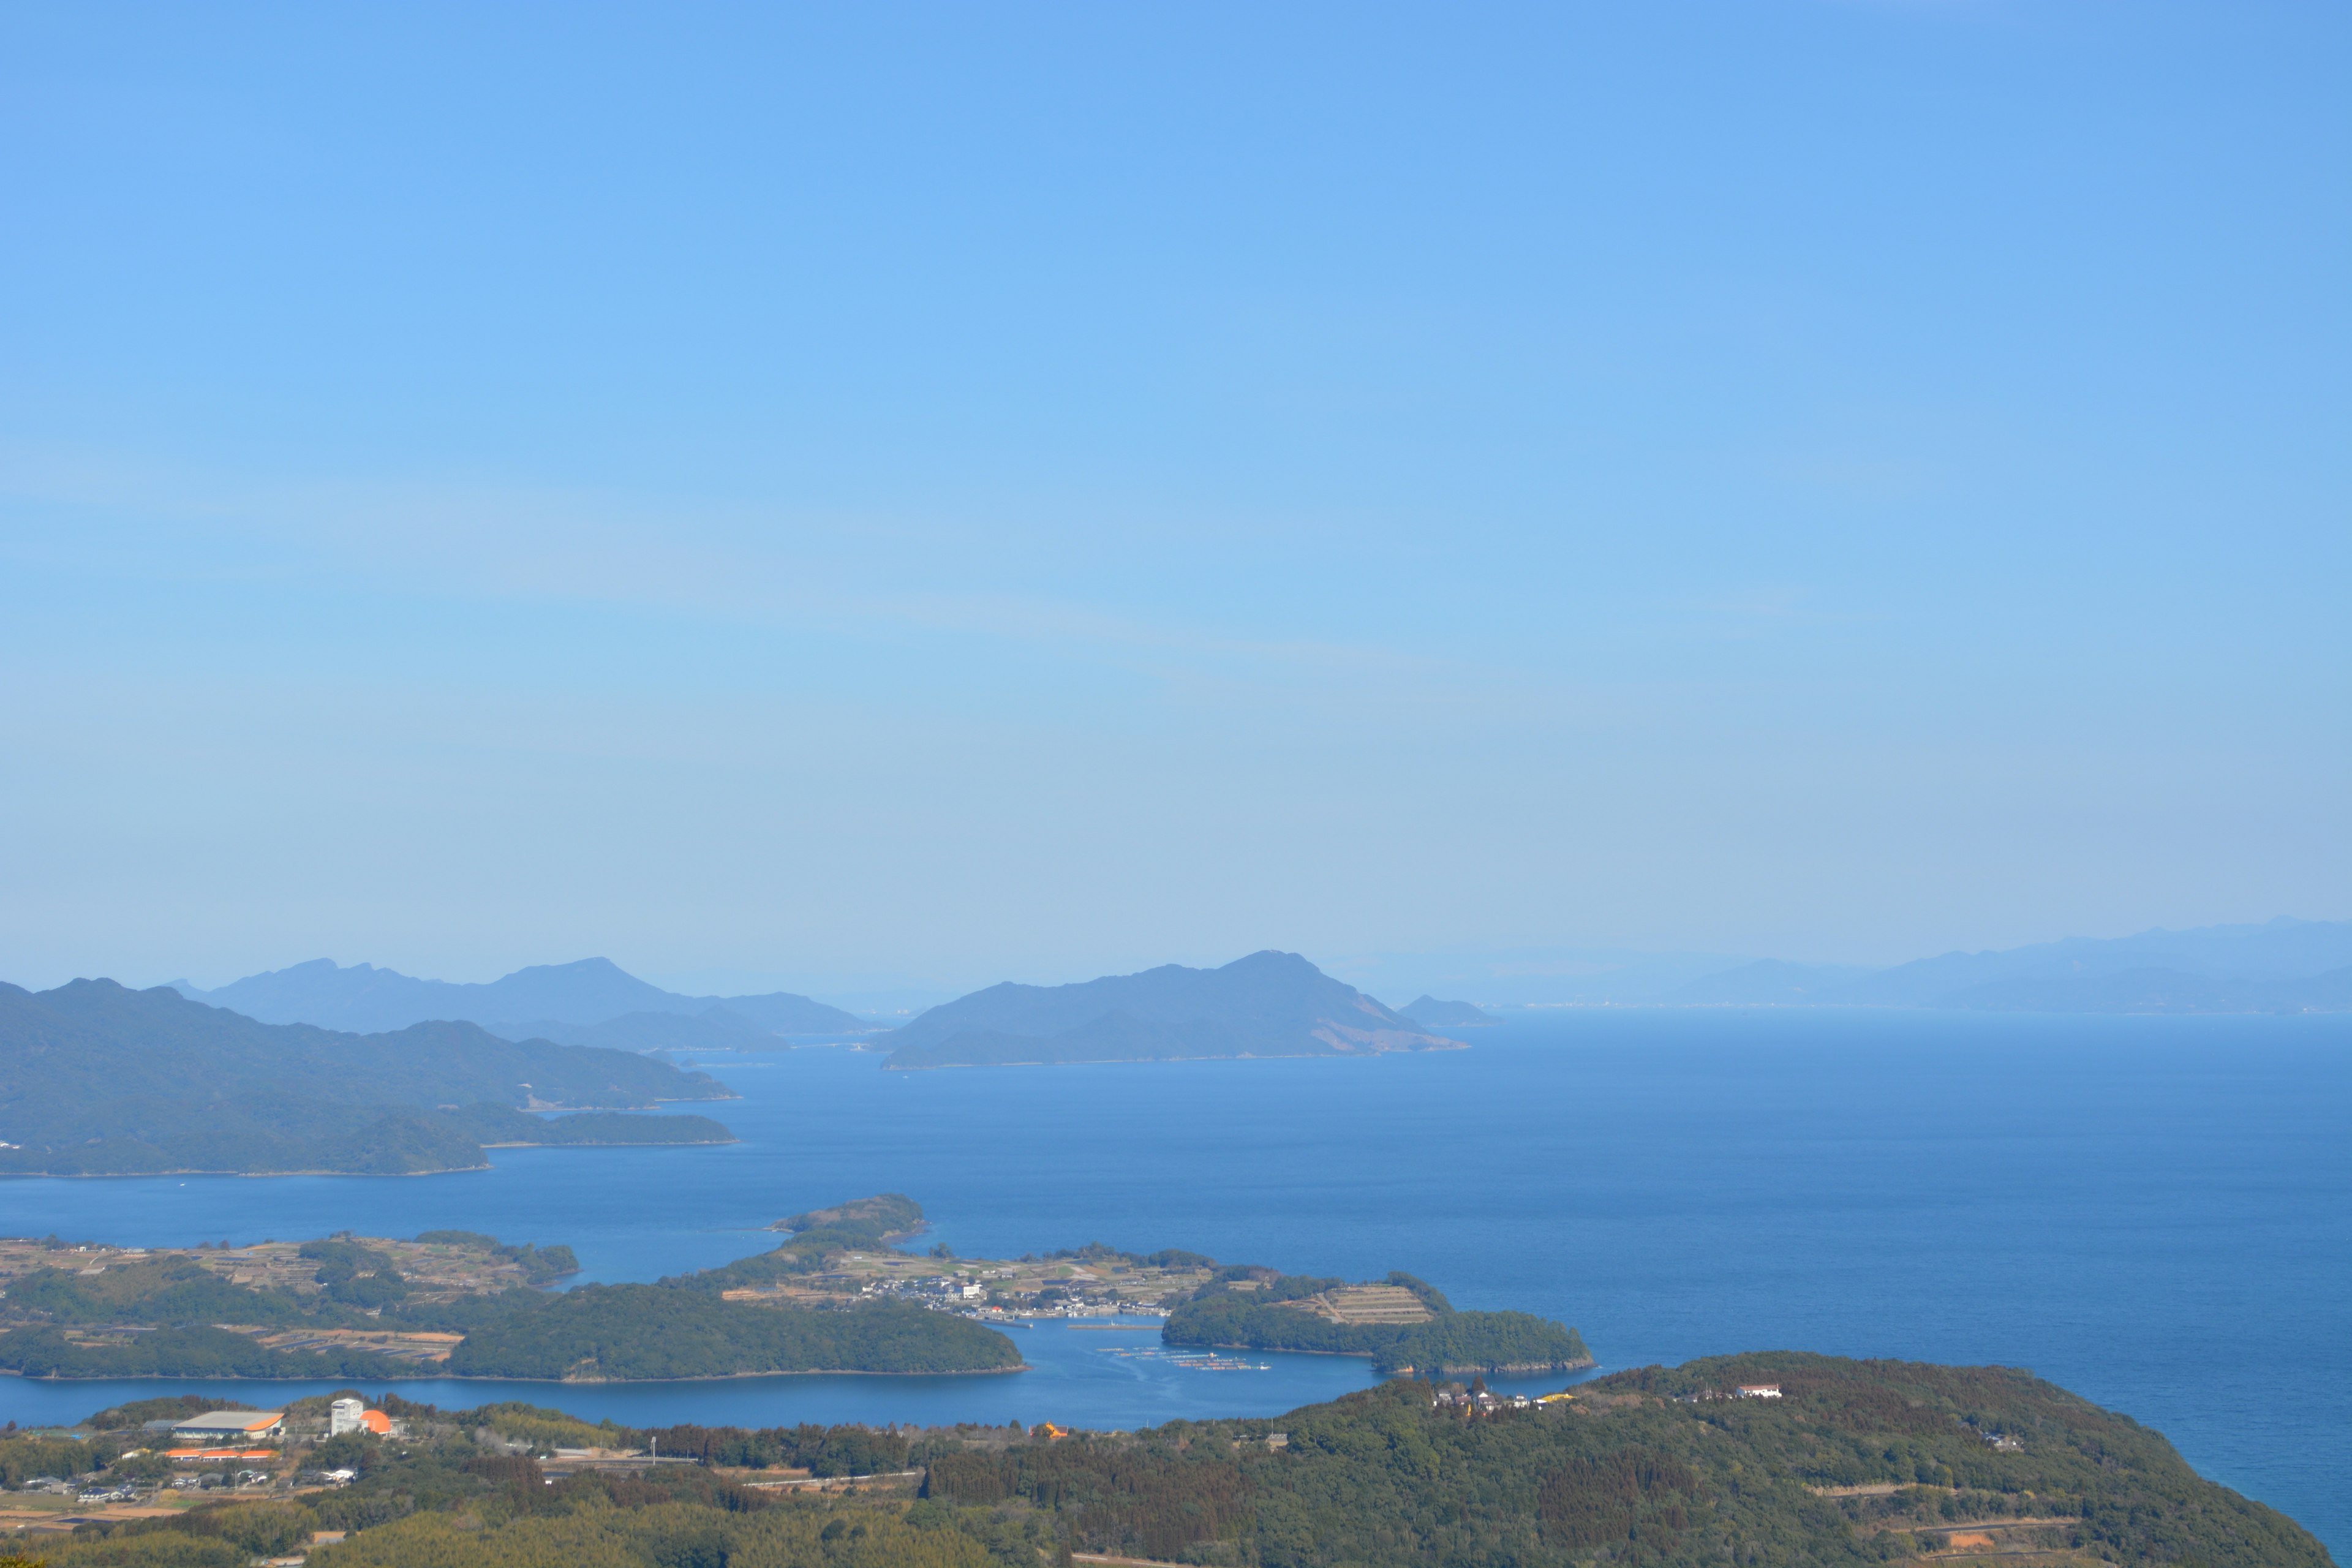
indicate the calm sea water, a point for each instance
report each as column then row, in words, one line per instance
column 2155, row 1211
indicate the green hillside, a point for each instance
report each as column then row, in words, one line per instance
column 646, row 1331
column 1859, row 1463
column 96, row 1079
column 1223, row 1313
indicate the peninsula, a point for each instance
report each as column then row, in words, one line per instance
column 99, row 1081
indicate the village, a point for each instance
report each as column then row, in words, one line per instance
column 201, row 1456
column 1090, row 1283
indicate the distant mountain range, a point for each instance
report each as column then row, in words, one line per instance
column 566, row 1002
column 2282, row 966
column 96, row 1079
column 1268, row 1005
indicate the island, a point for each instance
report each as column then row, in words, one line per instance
column 99, row 1081
column 1778, row 1457
column 1268, row 1005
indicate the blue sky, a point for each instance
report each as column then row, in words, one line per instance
column 839, row 496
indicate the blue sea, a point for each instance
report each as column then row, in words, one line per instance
column 2153, row 1212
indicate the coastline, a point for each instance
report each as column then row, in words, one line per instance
column 1506, row 1369
column 1220, row 1057
column 549, row 1382
column 435, row 1170
column 632, row 1143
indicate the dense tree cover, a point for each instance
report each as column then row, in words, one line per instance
column 886, row 1216
column 203, row 1352
column 155, row 1290
column 97, row 1080
column 820, row 1450
column 1624, row 1474
column 861, row 1224
column 27, row 1455
column 356, row 1276
column 664, row 1332
column 503, row 1127
column 539, row 1264
column 1452, row 1341
column 803, row 1254
column 168, row 1407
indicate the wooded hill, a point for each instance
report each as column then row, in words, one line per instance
column 96, row 1079
column 1257, row 1309
column 1641, row 1468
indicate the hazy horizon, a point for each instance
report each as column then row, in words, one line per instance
column 1509, row 974
column 913, row 500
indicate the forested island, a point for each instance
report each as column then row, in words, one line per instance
column 98, row 1080
column 1841, row 1463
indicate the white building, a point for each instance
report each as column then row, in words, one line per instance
column 1760, row 1391
column 231, row 1426
column 343, row 1416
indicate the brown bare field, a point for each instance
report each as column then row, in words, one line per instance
column 1366, row 1304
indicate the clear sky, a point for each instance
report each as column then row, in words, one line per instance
column 824, row 494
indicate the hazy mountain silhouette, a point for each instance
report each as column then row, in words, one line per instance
column 98, row 1079
column 2282, row 948
column 1268, row 1005
column 364, row 998
column 2284, row 964
column 2161, row 991
column 1436, row 1014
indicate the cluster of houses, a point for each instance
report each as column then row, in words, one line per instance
column 1459, row 1398
column 1744, row 1391
column 233, row 1448
column 969, row 1297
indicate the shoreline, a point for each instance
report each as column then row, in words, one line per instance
column 549, row 1382
column 437, row 1171
column 1506, row 1369
column 1146, row 1061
